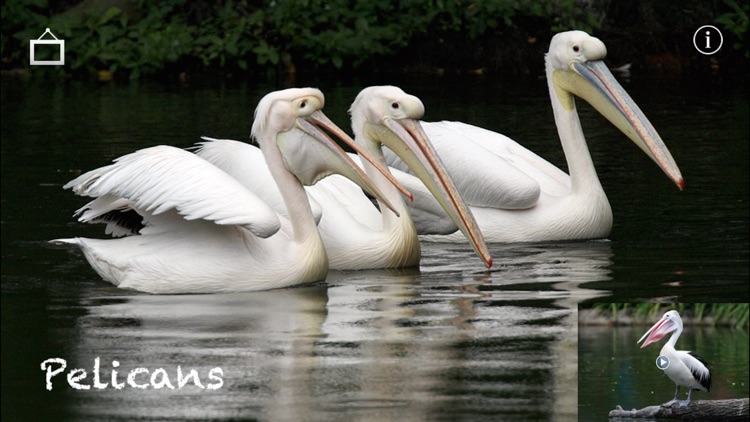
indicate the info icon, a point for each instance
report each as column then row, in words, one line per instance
column 662, row 362
column 708, row 40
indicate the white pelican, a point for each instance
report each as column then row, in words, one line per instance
column 685, row 368
column 199, row 229
column 356, row 234
column 515, row 195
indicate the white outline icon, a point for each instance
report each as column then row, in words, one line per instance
column 56, row 41
column 706, row 40
column 662, row 362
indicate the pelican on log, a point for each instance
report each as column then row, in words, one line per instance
column 683, row 367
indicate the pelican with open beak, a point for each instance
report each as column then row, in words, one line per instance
column 684, row 368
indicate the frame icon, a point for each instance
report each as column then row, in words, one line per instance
column 56, row 41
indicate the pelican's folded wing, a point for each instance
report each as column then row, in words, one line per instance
column 157, row 179
column 551, row 179
column 484, row 179
column 246, row 164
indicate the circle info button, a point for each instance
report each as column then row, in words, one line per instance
column 708, row 40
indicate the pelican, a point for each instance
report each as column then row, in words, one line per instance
column 201, row 231
column 356, row 234
column 515, row 195
column 684, row 368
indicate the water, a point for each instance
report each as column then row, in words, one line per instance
column 447, row 341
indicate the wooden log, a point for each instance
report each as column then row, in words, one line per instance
column 697, row 410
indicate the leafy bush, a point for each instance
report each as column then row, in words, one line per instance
column 259, row 36
column 337, row 31
column 736, row 21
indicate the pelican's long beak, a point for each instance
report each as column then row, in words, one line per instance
column 312, row 161
column 413, row 147
column 593, row 82
column 659, row 330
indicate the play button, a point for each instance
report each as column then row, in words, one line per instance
column 662, row 362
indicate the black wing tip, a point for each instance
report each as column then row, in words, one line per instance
column 127, row 219
column 703, row 379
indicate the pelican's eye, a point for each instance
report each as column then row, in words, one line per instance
column 395, row 105
column 302, row 104
column 576, row 48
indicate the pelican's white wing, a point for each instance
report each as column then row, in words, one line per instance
column 157, row 179
column 490, row 169
column 550, row 179
column 246, row 164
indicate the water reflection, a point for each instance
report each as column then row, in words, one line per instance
column 445, row 341
column 262, row 343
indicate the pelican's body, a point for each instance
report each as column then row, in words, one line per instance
column 356, row 234
column 199, row 230
column 517, row 196
column 175, row 255
column 685, row 368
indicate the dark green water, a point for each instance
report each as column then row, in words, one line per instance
column 449, row 341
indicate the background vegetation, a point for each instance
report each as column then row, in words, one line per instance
column 733, row 314
column 137, row 38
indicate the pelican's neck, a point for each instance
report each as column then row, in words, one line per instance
column 675, row 335
column 398, row 236
column 293, row 194
column 580, row 166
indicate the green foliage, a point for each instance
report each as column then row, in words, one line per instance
column 339, row 32
column 18, row 17
column 233, row 34
column 736, row 315
column 260, row 35
column 736, row 22
column 479, row 18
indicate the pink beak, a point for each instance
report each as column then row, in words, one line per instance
column 659, row 330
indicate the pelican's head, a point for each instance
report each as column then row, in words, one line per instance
column 575, row 67
column 376, row 103
column 669, row 322
column 578, row 46
column 278, row 111
column 291, row 120
column 386, row 115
